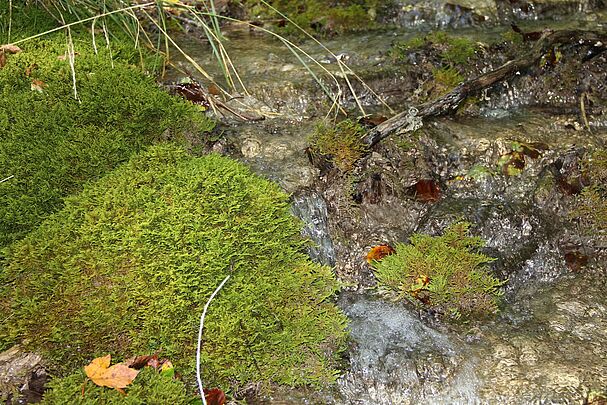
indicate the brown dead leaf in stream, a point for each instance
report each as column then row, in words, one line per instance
column 118, row 376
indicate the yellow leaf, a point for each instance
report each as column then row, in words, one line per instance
column 167, row 365
column 117, row 376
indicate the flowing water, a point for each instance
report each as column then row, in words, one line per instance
column 549, row 343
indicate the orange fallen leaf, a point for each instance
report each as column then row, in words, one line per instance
column 379, row 252
column 117, row 376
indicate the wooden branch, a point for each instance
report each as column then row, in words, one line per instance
column 447, row 104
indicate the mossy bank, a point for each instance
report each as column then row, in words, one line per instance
column 128, row 264
column 115, row 233
column 53, row 140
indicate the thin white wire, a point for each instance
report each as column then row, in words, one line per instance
column 204, row 312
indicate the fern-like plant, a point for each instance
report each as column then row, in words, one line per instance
column 443, row 273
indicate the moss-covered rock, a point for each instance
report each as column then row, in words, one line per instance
column 127, row 266
column 51, row 142
column 443, row 273
column 320, row 17
column 341, row 144
column 150, row 388
column 590, row 207
column 452, row 50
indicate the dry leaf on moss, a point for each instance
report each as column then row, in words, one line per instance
column 38, row 85
column 379, row 252
column 117, row 376
column 8, row 48
column 214, row 396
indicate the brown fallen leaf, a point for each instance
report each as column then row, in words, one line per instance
column 38, row 85
column 64, row 56
column 214, row 396
column 8, row 48
column 117, row 376
column 139, row 362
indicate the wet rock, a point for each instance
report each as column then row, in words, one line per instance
column 250, row 148
column 311, row 208
column 550, row 346
column 467, row 13
column 396, row 358
column 443, row 13
column 275, row 149
column 22, row 376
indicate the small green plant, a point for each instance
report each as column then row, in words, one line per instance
column 442, row 273
column 590, row 207
column 453, row 50
column 446, row 79
column 341, row 143
column 128, row 264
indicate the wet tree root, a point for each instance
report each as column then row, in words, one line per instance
column 448, row 104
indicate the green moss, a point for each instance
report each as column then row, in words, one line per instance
column 457, row 50
column 150, row 388
column 52, row 143
column 442, row 273
column 127, row 266
column 590, row 208
column 341, row 143
column 320, row 17
column 447, row 78
column 452, row 50
column 512, row 37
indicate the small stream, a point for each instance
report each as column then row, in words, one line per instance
column 548, row 344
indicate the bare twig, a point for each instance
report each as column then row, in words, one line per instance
column 71, row 54
column 7, row 179
column 584, row 97
column 204, row 312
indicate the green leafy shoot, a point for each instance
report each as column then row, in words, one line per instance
column 443, row 273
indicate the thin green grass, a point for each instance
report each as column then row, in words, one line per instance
column 139, row 20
